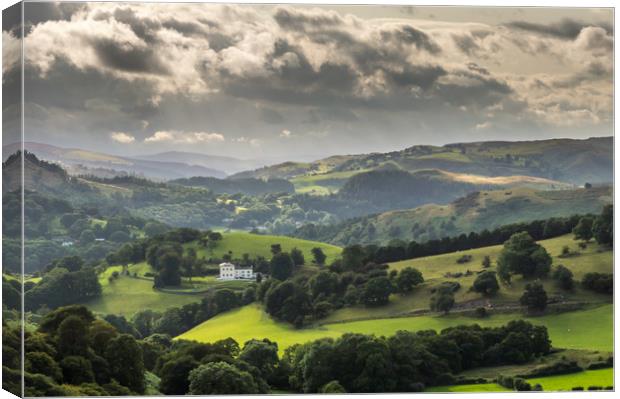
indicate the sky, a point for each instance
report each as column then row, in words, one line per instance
column 304, row 82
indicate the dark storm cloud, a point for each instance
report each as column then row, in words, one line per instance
column 472, row 66
column 411, row 35
column 331, row 79
column 271, row 116
column 299, row 22
column 567, row 29
column 144, row 28
column 465, row 43
column 484, row 92
column 35, row 13
column 422, row 76
column 128, row 58
column 186, row 28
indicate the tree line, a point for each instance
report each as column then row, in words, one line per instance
column 74, row 353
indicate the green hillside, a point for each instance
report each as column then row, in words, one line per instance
column 240, row 243
column 584, row 329
column 434, row 268
column 588, row 328
column 127, row 295
column 565, row 382
column 474, row 212
column 574, row 161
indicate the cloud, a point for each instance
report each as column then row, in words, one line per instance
column 159, row 137
column 567, row 28
column 249, row 71
column 121, row 137
column 185, row 137
column 484, row 126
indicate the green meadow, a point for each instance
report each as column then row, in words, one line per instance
column 584, row 329
column 565, row 382
column 434, row 268
column 240, row 243
column 128, row 295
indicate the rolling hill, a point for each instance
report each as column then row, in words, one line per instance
column 249, row 186
column 476, row 211
column 79, row 161
column 567, row 160
column 240, row 243
column 586, row 328
column 229, row 165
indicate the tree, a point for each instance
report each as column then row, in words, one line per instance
column 73, row 336
column 377, row 291
column 442, row 300
column 486, row 284
column 281, row 266
column 174, row 375
column 152, row 229
column 276, row 249
column 87, row 236
column 124, row 356
column 583, row 230
column 564, row 277
column 42, row 363
column 522, row 255
column 71, row 263
column 353, row 257
column 298, row 257
column 170, row 263
column 76, row 370
column 119, row 236
column 534, row 298
column 599, row 282
column 603, row 226
column 486, row 261
column 220, row 378
column 407, row 279
column 332, row 387
column 144, row 321
column 225, row 299
column 319, row 256
column 324, row 283
column 261, row 354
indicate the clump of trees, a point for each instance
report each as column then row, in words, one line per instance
column 408, row 361
column 301, row 298
column 522, row 255
column 602, row 283
column 534, row 297
column 399, row 250
column 563, row 277
column 486, row 284
column 68, row 281
column 73, row 353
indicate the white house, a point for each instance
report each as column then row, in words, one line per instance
column 229, row 271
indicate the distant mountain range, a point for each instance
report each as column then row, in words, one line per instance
column 567, row 160
column 165, row 166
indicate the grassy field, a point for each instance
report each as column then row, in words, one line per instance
column 260, row 245
column 490, row 387
column 322, row 184
column 602, row 378
column 487, row 210
column 433, row 268
column 127, row 295
column 586, row 329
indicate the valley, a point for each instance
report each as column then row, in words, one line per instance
column 371, row 246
